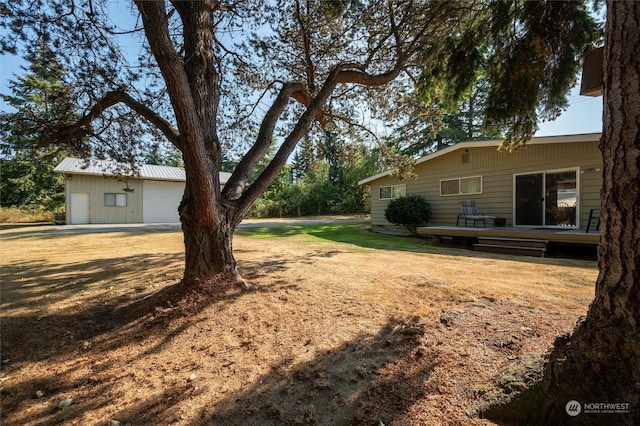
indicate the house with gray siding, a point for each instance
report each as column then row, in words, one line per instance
column 106, row 192
column 552, row 183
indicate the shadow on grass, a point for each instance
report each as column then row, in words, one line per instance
column 107, row 293
column 373, row 378
column 35, row 283
column 85, row 335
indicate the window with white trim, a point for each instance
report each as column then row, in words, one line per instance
column 115, row 200
column 461, row 186
column 392, row 191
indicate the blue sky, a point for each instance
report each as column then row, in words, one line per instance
column 584, row 115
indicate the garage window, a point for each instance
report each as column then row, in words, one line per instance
column 115, row 200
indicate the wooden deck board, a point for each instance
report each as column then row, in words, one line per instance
column 553, row 235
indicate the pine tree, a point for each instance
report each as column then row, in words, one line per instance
column 303, row 159
column 41, row 100
column 333, row 153
column 462, row 121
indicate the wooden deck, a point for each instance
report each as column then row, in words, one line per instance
column 552, row 235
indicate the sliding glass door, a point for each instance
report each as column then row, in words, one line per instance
column 529, row 199
column 546, row 199
column 561, row 199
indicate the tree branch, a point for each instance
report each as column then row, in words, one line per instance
column 255, row 105
column 84, row 128
column 301, row 128
column 298, row 91
column 342, row 73
column 363, row 78
column 170, row 132
column 155, row 22
column 306, row 43
column 236, row 183
column 354, row 124
column 345, row 73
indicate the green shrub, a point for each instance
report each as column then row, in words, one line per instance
column 410, row 212
column 264, row 208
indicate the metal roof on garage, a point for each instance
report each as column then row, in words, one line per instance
column 111, row 168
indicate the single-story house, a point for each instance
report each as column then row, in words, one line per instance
column 102, row 192
column 554, row 182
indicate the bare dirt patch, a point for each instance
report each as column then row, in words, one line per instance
column 330, row 333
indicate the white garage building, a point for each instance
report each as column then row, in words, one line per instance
column 102, row 192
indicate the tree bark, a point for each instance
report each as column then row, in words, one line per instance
column 600, row 362
column 209, row 256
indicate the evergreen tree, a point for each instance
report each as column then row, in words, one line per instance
column 41, row 100
column 303, row 158
column 333, row 153
column 360, row 162
column 28, row 181
column 447, row 125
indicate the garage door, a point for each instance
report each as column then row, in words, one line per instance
column 160, row 201
column 80, row 208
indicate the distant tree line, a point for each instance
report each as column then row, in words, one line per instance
column 321, row 179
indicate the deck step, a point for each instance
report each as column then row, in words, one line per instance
column 516, row 246
column 519, row 251
column 517, row 242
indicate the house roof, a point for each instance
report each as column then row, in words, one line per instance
column 586, row 137
column 111, row 168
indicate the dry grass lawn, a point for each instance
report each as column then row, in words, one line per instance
column 330, row 333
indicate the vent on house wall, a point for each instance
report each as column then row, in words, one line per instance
column 465, row 157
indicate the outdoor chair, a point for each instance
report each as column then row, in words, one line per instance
column 469, row 212
column 594, row 214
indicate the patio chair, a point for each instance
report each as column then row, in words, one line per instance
column 469, row 212
column 594, row 214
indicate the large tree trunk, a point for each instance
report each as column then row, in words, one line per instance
column 208, row 252
column 209, row 256
column 208, row 238
column 600, row 362
column 193, row 84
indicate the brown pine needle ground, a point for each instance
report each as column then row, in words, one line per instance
column 330, row 333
